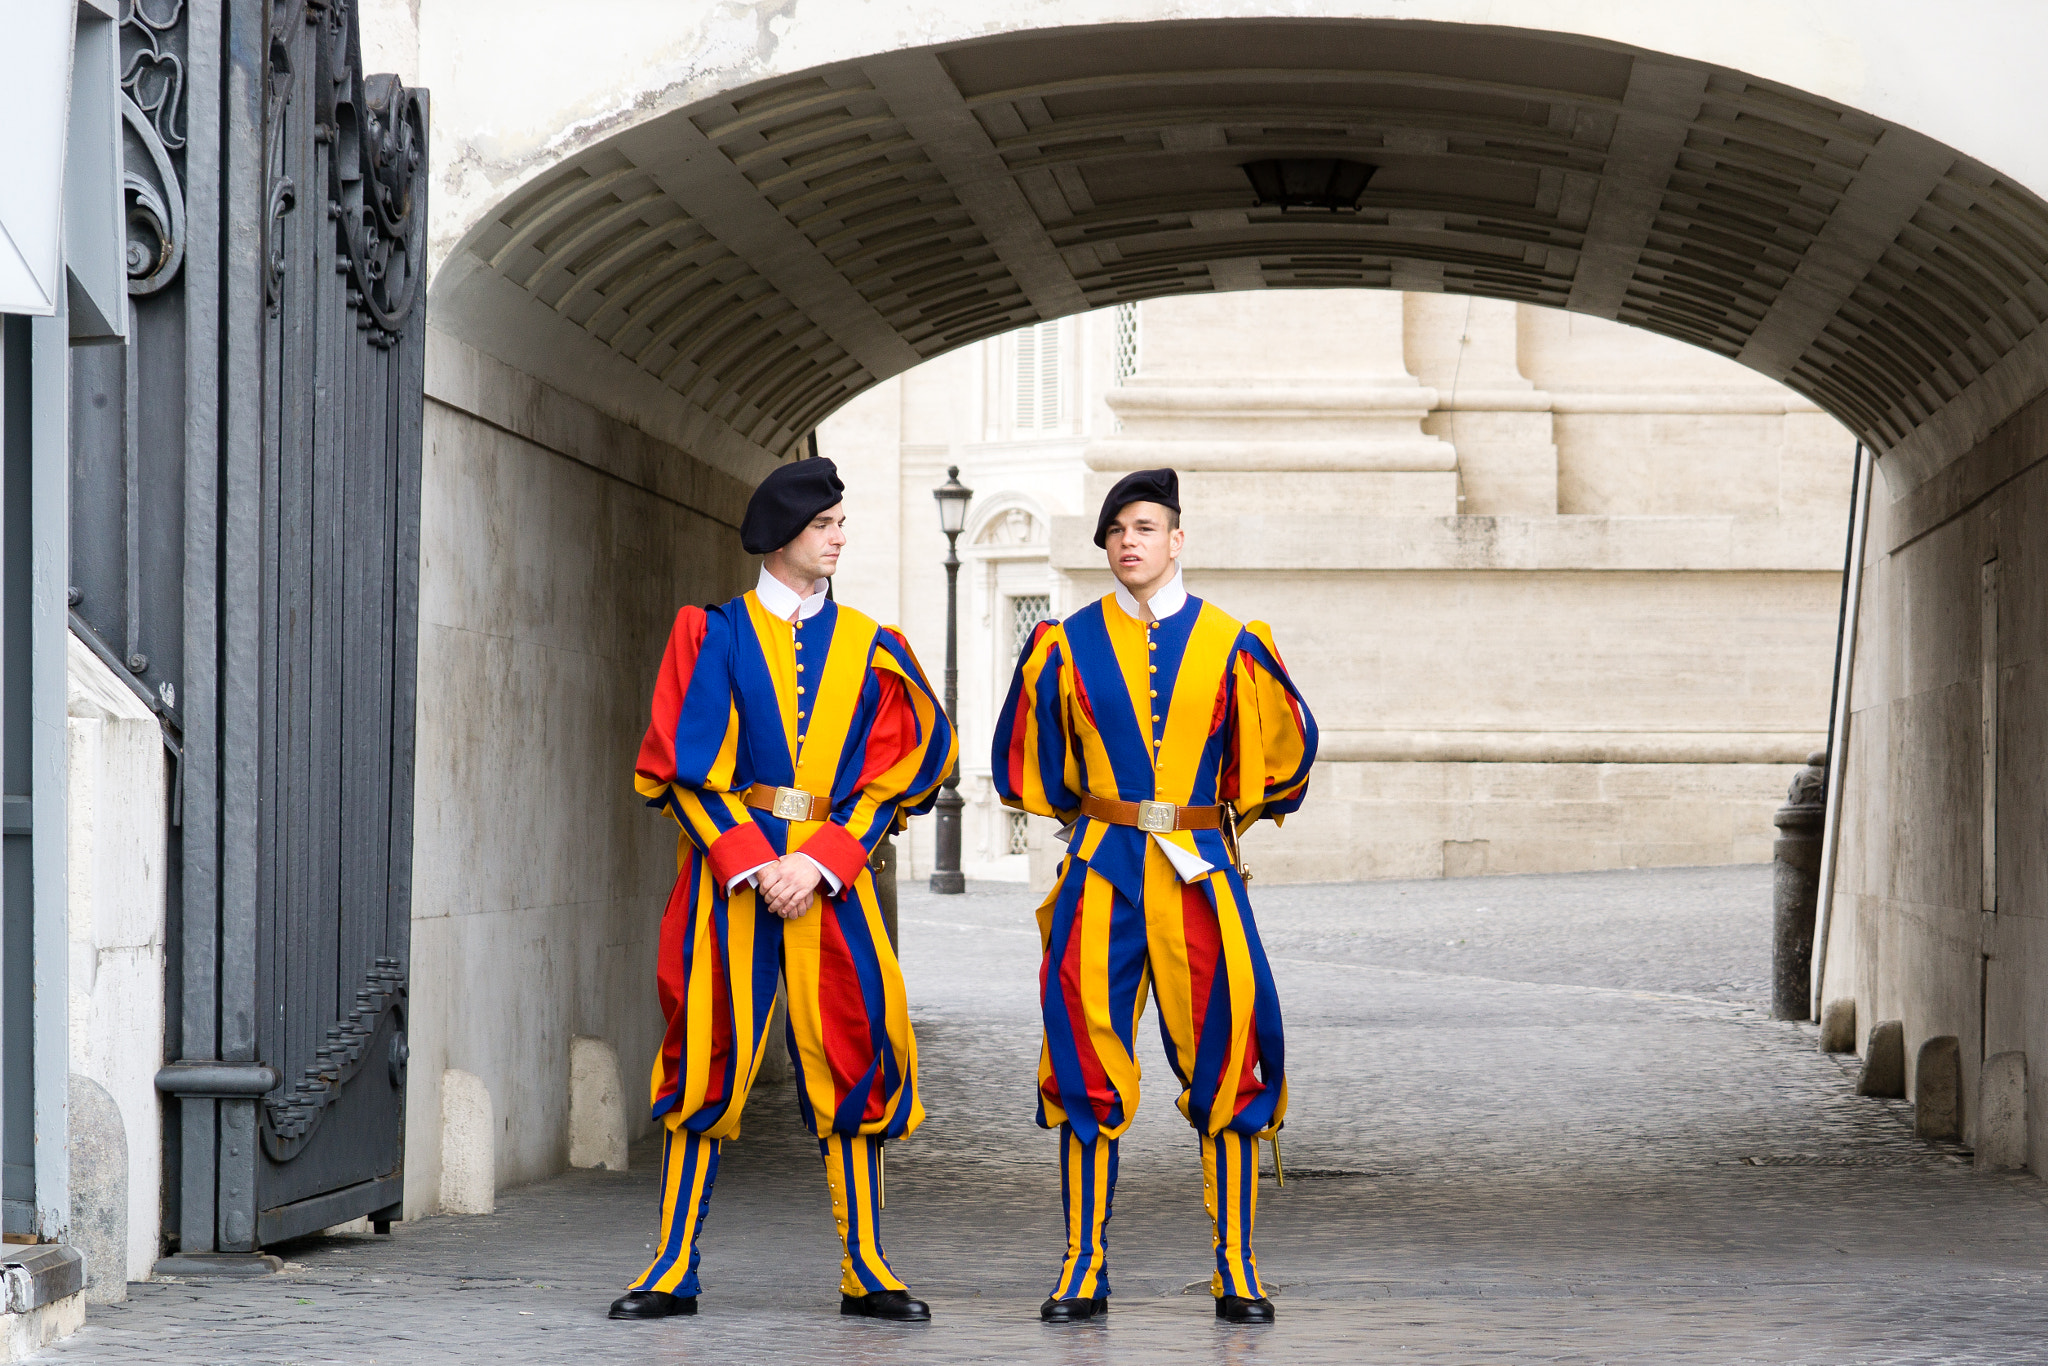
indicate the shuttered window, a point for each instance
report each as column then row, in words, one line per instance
column 1040, row 396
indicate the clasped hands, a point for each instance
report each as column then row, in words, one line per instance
column 788, row 884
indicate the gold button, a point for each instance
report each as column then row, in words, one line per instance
column 1155, row 719
column 1155, row 693
column 799, row 645
column 799, row 690
column 1155, row 668
column 1151, row 644
column 799, row 716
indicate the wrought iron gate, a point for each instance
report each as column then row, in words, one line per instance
column 245, row 554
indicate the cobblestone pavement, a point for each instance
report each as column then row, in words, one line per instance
column 1535, row 1119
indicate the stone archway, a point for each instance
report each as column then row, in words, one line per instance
column 672, row 286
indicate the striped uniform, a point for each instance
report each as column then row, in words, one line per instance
column 1195, row 710
column 835, row 705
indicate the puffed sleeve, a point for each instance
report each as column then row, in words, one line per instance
column 1032, row 761
column 1273, row 740
column 687, row 760
column 909, row 749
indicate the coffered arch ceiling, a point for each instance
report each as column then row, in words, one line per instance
column 757, row 260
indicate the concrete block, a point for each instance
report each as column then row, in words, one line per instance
column 597, row 1106
column 1838, row 1025
column 2002, row 1113
column 22, row 1335
column 99, row 1190
column 1938, row 1090
column 469, row 1133
column 1884, row 1061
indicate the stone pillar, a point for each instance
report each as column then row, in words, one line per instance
column 1795, row 889
column 1468, row 350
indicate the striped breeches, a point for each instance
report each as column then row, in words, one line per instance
column 1195, row 949
column 848, row 1034
column 689, row 1166
column 849, row 1024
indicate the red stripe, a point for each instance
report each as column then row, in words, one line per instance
column 835, row 847
column 738, row 849
column 1020, row 727
column 1205, row 952
column 843, row 1016
column 1101, row 1096
column 671, row 978
column 894, row 733
column 658, row 749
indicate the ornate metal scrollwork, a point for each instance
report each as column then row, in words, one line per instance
column 152, row 105
column 374, row 130
column 280, row 193
column 289, row 1121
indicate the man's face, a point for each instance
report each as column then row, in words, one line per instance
column 1143, row 543
column 814, row 554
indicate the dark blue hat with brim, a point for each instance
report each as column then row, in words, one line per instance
column 1139, row 486
column 786, row 501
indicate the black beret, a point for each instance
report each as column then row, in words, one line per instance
column 1139, row 486
column 786, row 501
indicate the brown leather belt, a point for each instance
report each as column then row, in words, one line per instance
column 790, row 803
column 1157, row 817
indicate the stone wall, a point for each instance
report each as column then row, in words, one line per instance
column 1934, row 924
column 556, row 545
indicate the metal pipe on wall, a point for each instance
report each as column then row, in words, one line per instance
column 1838, row 711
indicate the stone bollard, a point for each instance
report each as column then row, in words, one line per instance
column 597, row 1106
column 2002, row 1114
column 1838, row 1025
column 1795, row 888
column 99, row 1190
column 1938, row 1090
column 469, row 1145
column 1884, row 1061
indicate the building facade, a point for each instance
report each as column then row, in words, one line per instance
column 1547, row 628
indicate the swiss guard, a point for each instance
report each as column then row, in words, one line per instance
column 1158, row 727
column 790, row 736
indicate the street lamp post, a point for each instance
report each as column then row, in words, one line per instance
column 953, row 497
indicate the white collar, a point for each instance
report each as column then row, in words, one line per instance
column 783, row 603
column 1165, row 602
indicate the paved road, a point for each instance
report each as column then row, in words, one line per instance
column 1536, row 1119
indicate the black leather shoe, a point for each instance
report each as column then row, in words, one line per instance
column 1238, row 1309
column 652, row 1304
column 1075, row 1310
column 895, row 1306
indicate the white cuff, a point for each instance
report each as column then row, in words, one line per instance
column 826, row 873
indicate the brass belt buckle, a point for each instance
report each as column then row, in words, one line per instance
column 1156, row 817
column 792, row 804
